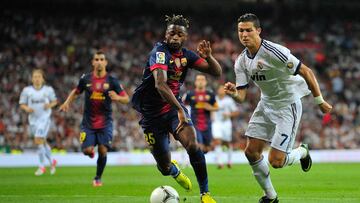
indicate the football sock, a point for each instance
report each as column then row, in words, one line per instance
column 294, row 156
column 262, row 175
column 229, row 154
column 198, row 162
column 218, row 152
column 41, row 153
column 48, row 152
column 101, row 163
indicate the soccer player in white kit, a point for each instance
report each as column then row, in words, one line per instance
column 283, row 81
column 37, row 100
column 222, row 126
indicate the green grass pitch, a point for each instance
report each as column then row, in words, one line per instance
column 133, row 184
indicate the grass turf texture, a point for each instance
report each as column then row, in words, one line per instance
column 133, row 184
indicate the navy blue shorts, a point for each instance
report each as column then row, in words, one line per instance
column 92, row 137
column 204, row 136
column 156, row 131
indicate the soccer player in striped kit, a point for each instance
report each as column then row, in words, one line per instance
column 101, row 89
column 283, row 81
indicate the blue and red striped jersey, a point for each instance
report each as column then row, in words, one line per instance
column 146, row 98
column 196, row 100
column 97, row 105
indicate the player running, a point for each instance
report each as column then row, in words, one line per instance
column 101, row 89
column 37, row 100
column 283, row 81
column 157, row 99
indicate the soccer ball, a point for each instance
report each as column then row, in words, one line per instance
column 164, row 194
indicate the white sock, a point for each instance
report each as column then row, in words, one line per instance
column 262, row 175
column 48, row 152
column 41, row 153
column 218, row 152
column 229, row 154
column 295, row 155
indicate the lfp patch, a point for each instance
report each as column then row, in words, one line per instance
column 160, row 57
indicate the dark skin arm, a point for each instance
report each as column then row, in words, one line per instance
column 210, row 65
column 165, row 92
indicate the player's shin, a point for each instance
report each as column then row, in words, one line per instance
column 261, row 172
column 198, row 162
column 101, row 163
column 48, row 152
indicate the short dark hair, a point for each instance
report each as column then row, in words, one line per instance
column 99, row 52
column 250, row 17
column 177, row 20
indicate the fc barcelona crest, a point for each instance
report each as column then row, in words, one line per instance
column 183, row 62
column 106, row 86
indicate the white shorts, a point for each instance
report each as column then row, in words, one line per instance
column 222, row 131
column 40, row 128
column 278, row 126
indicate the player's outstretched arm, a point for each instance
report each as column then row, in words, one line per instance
column 66, row 105
column 237, row 95
column 124, row 99
column 313, row 84
column 210, row 65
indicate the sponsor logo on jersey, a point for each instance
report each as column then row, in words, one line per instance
column 183, row 61
column 97, row 96
column 176, row 75
column 257, row 77
column 260, row 65
column 160, row 57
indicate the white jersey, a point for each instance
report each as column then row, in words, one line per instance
column 226, row 106
column 36, row 99
column 274, row 70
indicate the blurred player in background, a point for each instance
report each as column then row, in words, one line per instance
column 157, row 99
column 222, row 126
column 277, row 116
column 37, row 100
column 101, row 89
column 202, row 102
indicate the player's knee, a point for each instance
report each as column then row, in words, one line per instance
column 276, row 163
column 252, row 155
column 87, row 151
column 192, row 147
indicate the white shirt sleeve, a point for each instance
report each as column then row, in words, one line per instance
column 24, row 96
column 52, row 95
column 283, row 58
column 242, row 79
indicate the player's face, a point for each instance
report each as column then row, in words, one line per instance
column 221, row 91
column 175, row 36
column 37, row 79
column 249, row 35
column 99, row 62
column 200, row 81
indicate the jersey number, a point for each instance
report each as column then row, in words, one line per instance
column 285, row 138
column 149, row 137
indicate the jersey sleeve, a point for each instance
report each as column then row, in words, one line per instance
column 52, row 95
column 242, row 78
column 118, row 88
column 159, row 59
column 194, row 59
column 81, row 85
column 24, row 96
column 282, row 58
column 212, row 100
